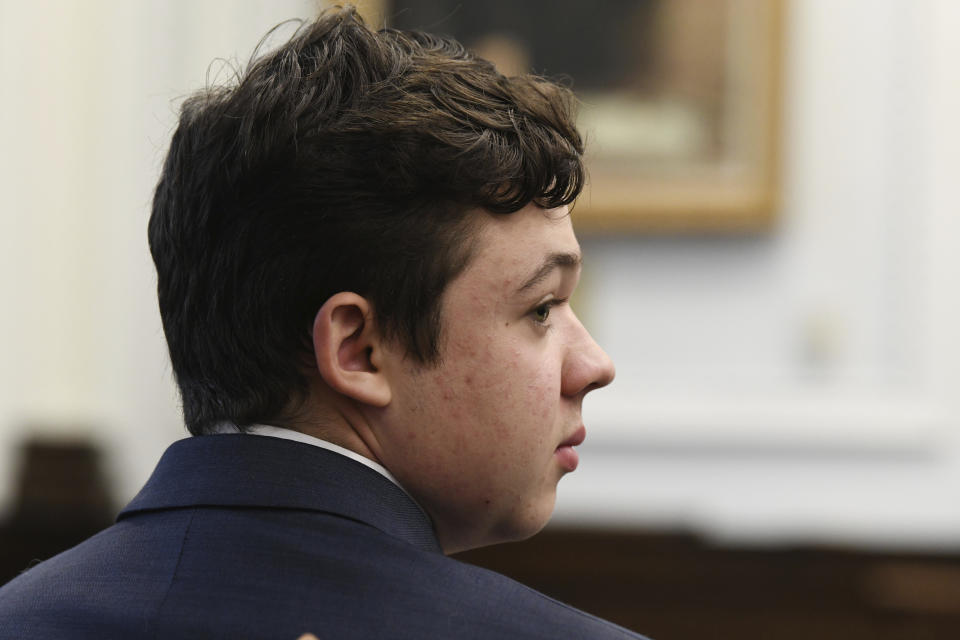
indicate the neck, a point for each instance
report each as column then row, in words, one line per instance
column 334, row 418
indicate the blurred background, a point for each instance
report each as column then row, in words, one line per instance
column 771, row 253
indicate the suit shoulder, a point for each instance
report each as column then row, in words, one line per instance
column 476, row 600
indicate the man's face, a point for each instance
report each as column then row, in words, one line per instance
column 479, row 439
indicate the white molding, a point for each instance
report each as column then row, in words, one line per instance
column 814, row 421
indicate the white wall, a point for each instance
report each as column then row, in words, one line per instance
column 90, row 97
column 790, row 386
column 801, row 385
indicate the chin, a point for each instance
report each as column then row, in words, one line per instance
column 513, row 527
column 500, row 537
column 527, row 524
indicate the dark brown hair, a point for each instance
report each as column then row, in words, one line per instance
column 344, row 160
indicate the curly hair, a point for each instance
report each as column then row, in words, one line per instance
column 346, row 159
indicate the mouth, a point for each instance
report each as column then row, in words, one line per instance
column 566, row 454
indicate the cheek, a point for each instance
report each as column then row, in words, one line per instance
column 509, row 387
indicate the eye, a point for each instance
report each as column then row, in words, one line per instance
column 542, row 312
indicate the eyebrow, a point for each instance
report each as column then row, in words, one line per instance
column 551, row 262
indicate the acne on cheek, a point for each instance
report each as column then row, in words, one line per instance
column 442, row 384
column 543, row 396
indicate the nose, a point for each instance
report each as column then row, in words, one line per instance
column 587, row 366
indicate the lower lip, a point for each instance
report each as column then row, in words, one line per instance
column 568, row 457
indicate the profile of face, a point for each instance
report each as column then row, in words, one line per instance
column 482, row 439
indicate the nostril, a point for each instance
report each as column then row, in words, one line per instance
column 594, row 385
column 602, row 381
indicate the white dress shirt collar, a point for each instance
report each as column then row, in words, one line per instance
column 297, row 436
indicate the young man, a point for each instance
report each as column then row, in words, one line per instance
column 365, row 261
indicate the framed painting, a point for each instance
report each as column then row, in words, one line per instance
column 679, row 98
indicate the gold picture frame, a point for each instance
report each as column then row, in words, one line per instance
column 684, row 135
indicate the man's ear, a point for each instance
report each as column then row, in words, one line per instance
column 348, row 348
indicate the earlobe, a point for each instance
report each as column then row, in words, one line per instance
column 347, row 347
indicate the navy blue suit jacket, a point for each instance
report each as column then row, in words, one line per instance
column 239, row 536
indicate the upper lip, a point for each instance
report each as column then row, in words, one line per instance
column 577, row 437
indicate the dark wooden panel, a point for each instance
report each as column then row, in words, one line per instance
column 674, row 587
